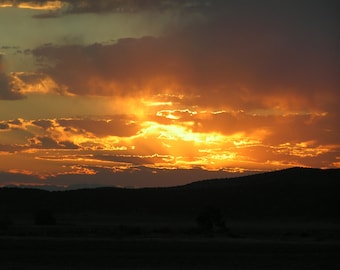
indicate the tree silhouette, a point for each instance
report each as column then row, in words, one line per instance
column 44, row 217
column 210, row 220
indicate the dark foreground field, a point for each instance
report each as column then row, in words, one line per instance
column 166, row 253
column 287, row 219
column 244, row 245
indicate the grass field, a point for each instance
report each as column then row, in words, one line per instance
column 271, row 221
column 166, row 253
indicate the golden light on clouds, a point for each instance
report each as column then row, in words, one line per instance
column 200, row 96
column 170, row 144
column 175, row 137
column 35, row 5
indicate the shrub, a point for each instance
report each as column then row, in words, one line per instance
column 44, row 217
column 210, row 220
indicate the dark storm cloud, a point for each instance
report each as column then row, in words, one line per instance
column 16, row 122
column 6, row 89
column 127, row 66
column 55, row 9
column 45, row 142
column 117, row 125
column 4, row 126
column 244, row 54
column 129, row 5
column 119, row 6
column 45, row 124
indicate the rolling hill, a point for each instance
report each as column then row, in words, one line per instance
column 292, row 194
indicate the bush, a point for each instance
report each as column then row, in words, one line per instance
column 210, row 220
column 44, row 217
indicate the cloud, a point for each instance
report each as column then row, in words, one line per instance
column 247, row 85
column 22, row 135
column 118, row 125
column 13, row 178
column 34, row 82
column 59, row 8
column 245, row 60
column 35, row 4
column 122, row 69
column 4, row 126
column 135, row 177
column 11, row 148
column 202, row 141
column 7, row 91
column 16, row 85
column 100, row 6
column 45, row 142
column 43, row 123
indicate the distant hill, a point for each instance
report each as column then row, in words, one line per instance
column 296, row 193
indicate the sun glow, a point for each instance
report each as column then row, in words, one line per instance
column 155, row 93
column 177, row 132
column 165, row 136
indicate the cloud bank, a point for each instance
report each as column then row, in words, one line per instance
column 270, row 58
column 244, row 86
column 66, row 7
column 7, row 89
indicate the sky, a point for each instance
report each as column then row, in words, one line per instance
column 162, row 93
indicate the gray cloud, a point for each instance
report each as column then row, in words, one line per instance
column 43, row 123
column 241, row 53
column 16, row 178
column 135, row 177
column 132, row 160
column 16, row 122
column 7, row 89
column 45, row 142
column 4, row 126
column 119, row 6
column 118, row 125
column 108, row 6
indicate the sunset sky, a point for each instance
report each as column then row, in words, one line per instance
column 161, row 93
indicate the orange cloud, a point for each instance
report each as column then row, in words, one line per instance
column 227, row 92
column 205, row 139
column 7, row 91
column 38, row 5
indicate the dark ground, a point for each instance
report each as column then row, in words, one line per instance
column 243, row 246
column 166, row 253
column 284, row 220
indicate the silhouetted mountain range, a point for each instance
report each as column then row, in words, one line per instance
column 296, row 193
